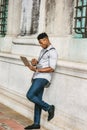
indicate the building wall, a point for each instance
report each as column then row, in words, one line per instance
column 60, row 14
column 68, row 89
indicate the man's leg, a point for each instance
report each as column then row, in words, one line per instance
column 37, row 109
column 33, row 92
column 35, row 95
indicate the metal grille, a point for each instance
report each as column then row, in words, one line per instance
column 81, row 18
column 3, row 17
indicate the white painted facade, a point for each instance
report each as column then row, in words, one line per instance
column 68, row 91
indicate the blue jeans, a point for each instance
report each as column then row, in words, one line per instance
column 35, row 94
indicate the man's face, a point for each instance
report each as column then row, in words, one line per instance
column 44, row 43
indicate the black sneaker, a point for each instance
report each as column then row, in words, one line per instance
column 33, row 126
column 51, row 112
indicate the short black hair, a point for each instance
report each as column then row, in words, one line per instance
column 42, row 35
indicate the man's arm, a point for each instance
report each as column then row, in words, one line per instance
column 42, row 70
column 45, row 70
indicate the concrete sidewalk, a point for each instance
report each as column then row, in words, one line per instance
column 11, row 120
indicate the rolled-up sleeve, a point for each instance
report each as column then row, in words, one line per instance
column 53, row 58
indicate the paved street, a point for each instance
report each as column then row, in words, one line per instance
column 11, row 120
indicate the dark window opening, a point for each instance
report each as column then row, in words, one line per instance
column 80, row 26
column 3, row 17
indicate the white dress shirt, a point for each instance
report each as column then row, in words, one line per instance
column 46, row 59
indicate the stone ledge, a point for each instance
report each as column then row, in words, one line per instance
column 73, row 65
column 75, row 69
column 26, row 40
column 12, row 58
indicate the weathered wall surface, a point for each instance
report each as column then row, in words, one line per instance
column 59, row 17
column 68, row 89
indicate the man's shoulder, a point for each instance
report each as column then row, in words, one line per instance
column 53, row 51
column 51, row 47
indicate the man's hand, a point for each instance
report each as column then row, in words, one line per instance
column 31, row 67
column 34, row 62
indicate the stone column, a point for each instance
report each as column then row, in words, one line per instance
column 35, row 16
column 26, row 14
column 14, row 12
column 13, row 23
column 29, row 17
column 42, row 15
column 59, row 17
column 50, row 15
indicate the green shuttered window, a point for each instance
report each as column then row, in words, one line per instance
column 81, row 18
column 3, row 17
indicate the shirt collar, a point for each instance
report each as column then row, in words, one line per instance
column 50, row 46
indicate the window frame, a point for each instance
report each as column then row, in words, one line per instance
column 3, row 17
column 80, row 25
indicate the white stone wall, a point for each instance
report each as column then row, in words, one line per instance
column 14, row 17
column 68, row 89
column 67, row 92
column 59, row 17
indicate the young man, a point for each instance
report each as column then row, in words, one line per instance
column 43, row 70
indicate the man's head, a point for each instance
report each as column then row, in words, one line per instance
column 43, row 40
